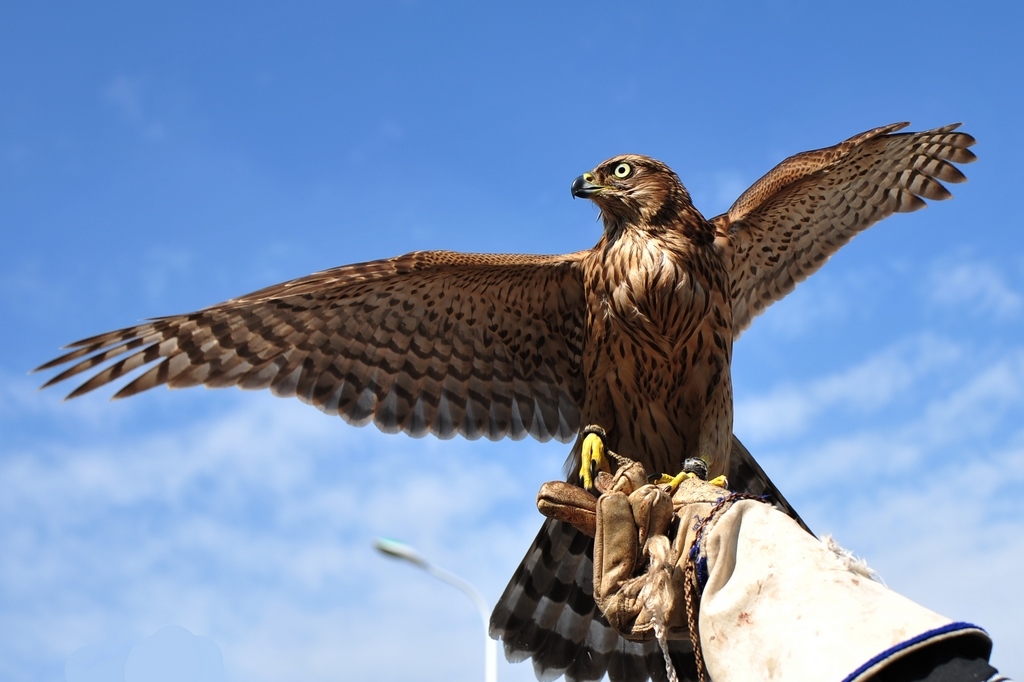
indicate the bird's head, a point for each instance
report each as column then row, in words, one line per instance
column 635, row 191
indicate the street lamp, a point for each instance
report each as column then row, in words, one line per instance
column 400, row 550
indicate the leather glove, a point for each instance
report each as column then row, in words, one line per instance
column 766, row 599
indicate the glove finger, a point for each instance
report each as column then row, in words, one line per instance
column 566, row 502
column 615, row 546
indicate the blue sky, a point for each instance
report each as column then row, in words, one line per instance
column 157, row 160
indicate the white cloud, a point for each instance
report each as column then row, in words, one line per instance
column 948, row 534
column 981, row 403
column 973, row 286
column 175, row 654
column 254, row 528
column 830, row 302
column 172, row 654
column 976, row 412
column 789, row 409
column 930, row 493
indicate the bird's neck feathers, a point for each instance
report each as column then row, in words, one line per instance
column 660, row 212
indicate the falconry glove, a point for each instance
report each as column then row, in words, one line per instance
column 760, row 597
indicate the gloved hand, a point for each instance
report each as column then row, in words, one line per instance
column 766, row 599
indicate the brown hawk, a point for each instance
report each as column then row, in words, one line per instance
column 634, row 335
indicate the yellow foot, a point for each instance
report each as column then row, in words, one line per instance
column 593, row 457
column 674, row 481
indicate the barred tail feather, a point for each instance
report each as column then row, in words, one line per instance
column 548, row 613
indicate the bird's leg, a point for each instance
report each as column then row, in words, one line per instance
column 593, row 457
column 693, row 467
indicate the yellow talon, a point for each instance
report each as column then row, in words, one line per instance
column 592, row 459
column 674, row 481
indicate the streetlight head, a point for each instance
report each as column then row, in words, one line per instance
column 399, row 550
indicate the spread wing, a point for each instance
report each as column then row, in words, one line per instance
column 430, row 342
column 782, row 229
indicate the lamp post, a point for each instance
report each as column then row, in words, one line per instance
column 400, row 550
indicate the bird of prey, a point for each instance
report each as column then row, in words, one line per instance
column 633, row 336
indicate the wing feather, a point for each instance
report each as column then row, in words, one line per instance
column 430, row 342
column 788, row 223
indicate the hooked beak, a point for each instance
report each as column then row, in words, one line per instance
column 584, row 187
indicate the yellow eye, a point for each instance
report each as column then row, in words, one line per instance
column 622, row 171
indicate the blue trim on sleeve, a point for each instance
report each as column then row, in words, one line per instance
column 902, row 646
